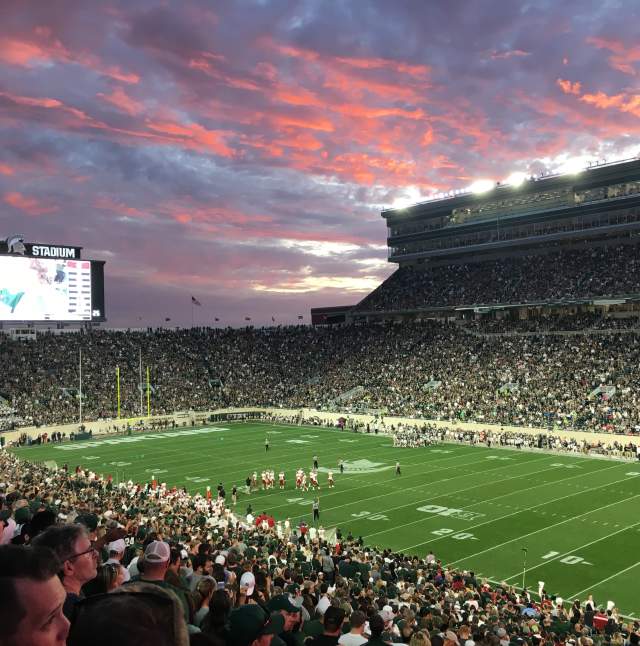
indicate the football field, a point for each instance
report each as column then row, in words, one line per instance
column 574, row 520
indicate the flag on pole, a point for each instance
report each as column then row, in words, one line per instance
column 167, row 320
column 247, row 318
column 216, row 319
column 195, row 301
column 273, row 318
column 300, row 318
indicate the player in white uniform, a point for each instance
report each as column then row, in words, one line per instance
column 313, row 476
column 330, row 479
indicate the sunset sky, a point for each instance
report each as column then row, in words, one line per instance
column 241, row 151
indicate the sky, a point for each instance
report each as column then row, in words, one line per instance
column 241, row 151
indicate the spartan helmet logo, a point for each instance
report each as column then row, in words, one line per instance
column 15, row 244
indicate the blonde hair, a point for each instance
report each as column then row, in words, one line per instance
column 421, row 638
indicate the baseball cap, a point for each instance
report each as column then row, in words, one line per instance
column 249, row 622
column 247, row 580
column 387, row 613
column 220, row 560
column 157, row 552
column 281, row 602
column 117, row 546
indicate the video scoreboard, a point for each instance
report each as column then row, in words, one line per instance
column 41, row 283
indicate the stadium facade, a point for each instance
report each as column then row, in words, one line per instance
column 598, row 207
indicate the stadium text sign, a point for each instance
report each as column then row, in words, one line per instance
column 45, row 251
column 15, row 245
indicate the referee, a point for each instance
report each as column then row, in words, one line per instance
column 316, row 510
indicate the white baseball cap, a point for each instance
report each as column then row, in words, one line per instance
column 157, row 552
column 247, row 580
column 117, row 546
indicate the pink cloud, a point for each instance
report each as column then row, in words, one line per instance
column 29, row 205
column 121, row 100
column 623, row 56
column 568, row 87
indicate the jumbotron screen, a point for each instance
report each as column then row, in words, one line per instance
column 44, row 289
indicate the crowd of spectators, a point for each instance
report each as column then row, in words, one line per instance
column 85, row 562
column 557, row 276
column 560, row 323
column 417, row 435
column 428, row 370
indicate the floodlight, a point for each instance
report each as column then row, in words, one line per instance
column 482, row 186
column 515, row 179
column 572, row 166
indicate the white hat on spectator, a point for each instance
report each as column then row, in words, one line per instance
column 387, row 613
column 247, row 580
column 117, row 546
column 157, row 552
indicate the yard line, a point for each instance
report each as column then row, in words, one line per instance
column 595, row 585
column 420, row 486
column 542, row 529
column 430, row 516
column 515, row 513
column 397, row 479
column 291, row 455
column 480, row 502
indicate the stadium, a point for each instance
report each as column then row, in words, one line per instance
column 445, row 448
column 319, row 323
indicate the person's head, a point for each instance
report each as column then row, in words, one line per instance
column 215, row 620
column 32, row 598
column 109, row 577
column 175, row 559
column 156, row 559
column 357, row 621
column 281, row 603
column 74, row 550
column 420, row 638
column 116, row 549
column 202, row 564
column 250, row 625
column 332, row 620
column 137, row 614
column 376, row 625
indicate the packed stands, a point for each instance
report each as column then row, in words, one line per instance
column 582, row 381
column 562, row 275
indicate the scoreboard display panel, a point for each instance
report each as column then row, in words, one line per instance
column 51, row 289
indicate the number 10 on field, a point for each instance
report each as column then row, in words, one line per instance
column 572, row 559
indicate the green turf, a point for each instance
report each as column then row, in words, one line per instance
column 576, row 517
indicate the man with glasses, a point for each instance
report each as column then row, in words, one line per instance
column 79, row 560
column 32, row 598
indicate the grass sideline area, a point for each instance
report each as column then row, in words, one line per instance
column 475, row 508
